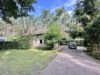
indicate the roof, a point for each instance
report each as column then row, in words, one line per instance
column 40, row 29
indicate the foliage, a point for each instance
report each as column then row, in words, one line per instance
column 86, row 13
column 45, row 13
column 24, row 42
column 93, row 32
column 15, row 8
column 76, row 31
column 61, row 16
column 8, row 45
column 96, row 28
column 26, row 25
column 96, row 55
column 17, row 42
column 63, row 41
column 46, row 17
column 53, row 35
column 78, row 41
column 60, row 11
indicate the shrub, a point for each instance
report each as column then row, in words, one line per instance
column 52, row 36
column 8, row 45
column 79, row 42
column 24, row 42
column 49, row 44
column 63, row 41
column 95, row 55
column 19, row 42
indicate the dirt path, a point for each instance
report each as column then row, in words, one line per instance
column 72, row 62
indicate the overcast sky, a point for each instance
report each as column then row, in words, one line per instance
column 52, row 5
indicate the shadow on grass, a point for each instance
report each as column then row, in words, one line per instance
column 43, row 48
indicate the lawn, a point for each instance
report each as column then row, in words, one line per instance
column 25, row 62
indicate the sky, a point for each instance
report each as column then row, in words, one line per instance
column 52, row 5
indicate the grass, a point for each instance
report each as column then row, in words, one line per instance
column 24, row 62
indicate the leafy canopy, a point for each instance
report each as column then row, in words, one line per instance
column 15, row 8
column 53, row 35
column 87, row 13
column 87, row 10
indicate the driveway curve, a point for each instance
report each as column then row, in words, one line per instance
column 72, row 62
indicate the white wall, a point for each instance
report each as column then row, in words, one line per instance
column 36, row 42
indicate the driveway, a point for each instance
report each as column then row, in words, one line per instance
column 72, row 62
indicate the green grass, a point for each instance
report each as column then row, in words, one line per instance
column 25, row 62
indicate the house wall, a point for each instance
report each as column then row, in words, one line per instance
column 38, row 41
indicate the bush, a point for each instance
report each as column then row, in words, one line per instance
column 52, row 36
column 49, row 44
column 79, row 42
column 63, row 41
column 70, row 40
column 8, row 45
column 24, row 42
column 21, row 42
column 95, row 55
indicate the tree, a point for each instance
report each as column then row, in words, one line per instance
column 15, row 8
column 86, row 13
column 96, row 28
column 93, row 32
column 45, row 13
column 45, row 17
column 59, row 12
column 53, row 35
column 75, row 31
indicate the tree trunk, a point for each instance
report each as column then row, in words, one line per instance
column 98, row 46
column 91, row 46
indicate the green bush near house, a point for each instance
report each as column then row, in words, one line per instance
column 8, row 45
column 49, row 44
column 19, row 42
column 63, row 41
column 52, row 36
column 24, row 42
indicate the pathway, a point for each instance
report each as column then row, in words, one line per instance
column 72, row 62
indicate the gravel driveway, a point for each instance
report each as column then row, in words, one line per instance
column 72, row 62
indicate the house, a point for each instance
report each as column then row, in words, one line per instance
column 39, row 31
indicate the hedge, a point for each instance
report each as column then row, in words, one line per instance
column 21, row 42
